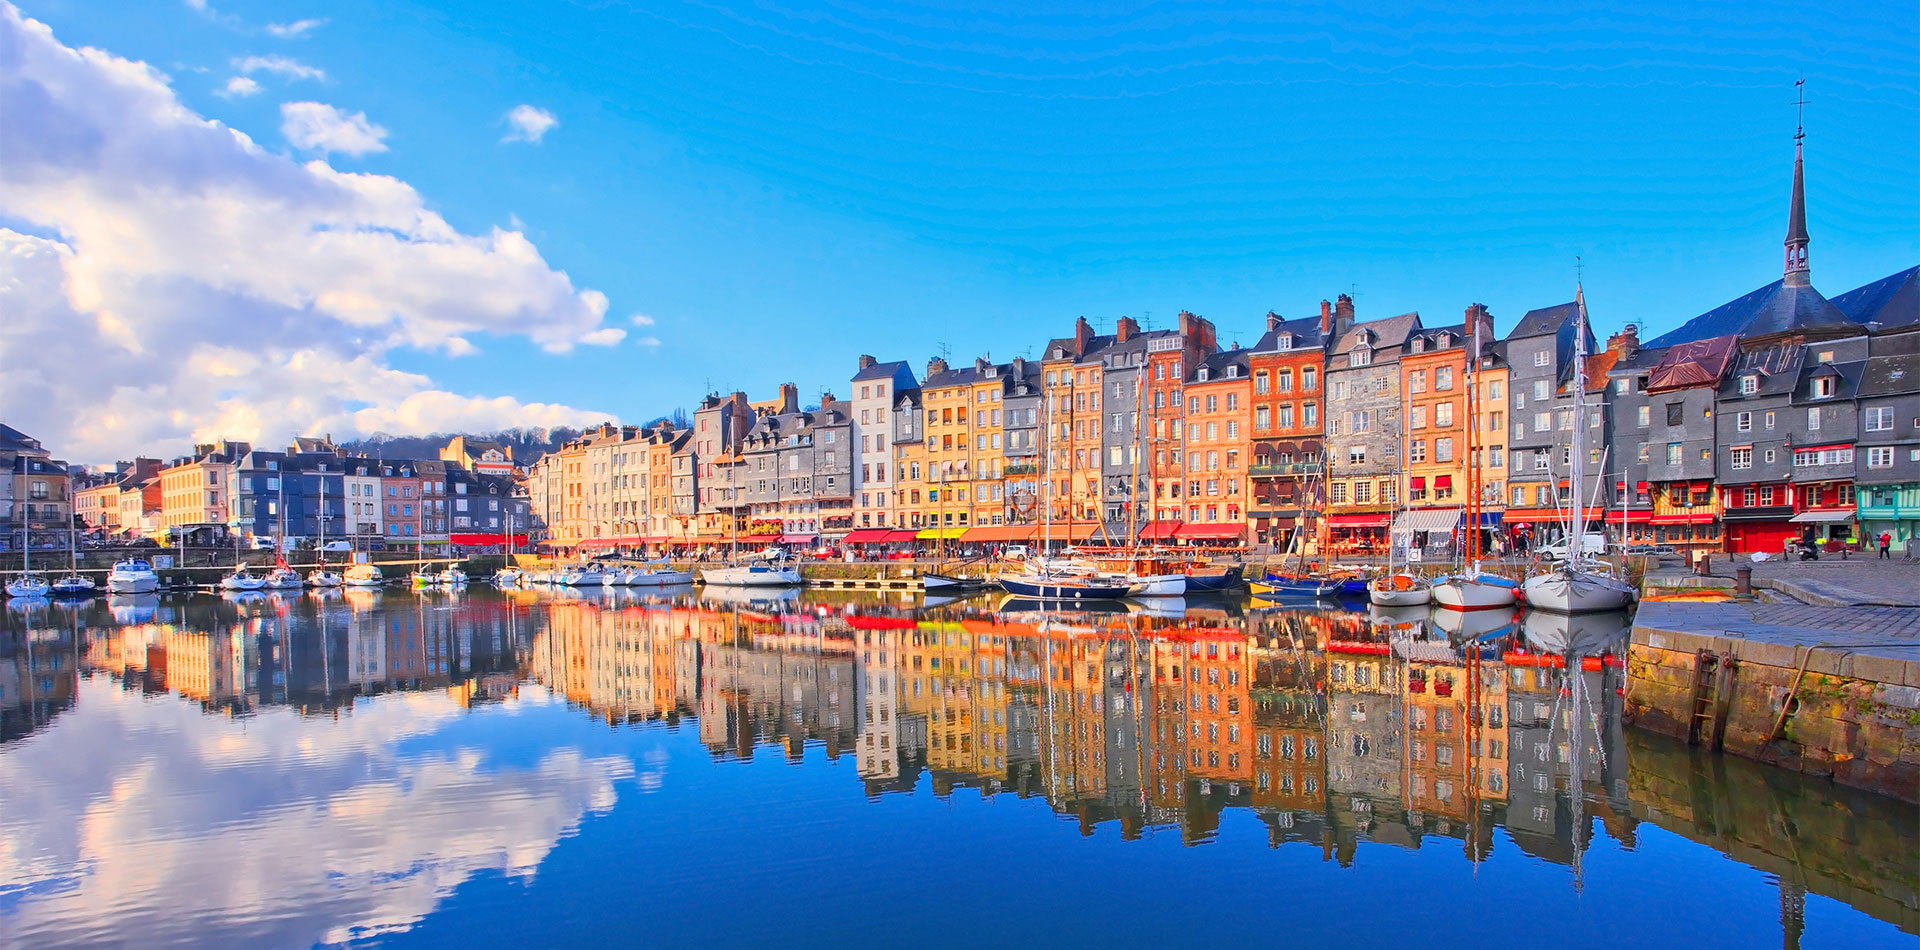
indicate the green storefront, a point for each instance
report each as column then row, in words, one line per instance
column 1893, row 509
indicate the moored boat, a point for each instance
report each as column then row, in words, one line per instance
column 452, row 577
column 133, row 576
column 1206, row 579
column 1476, row 590
column 282, row 578
column 73, row 585
column 1570, row 589
column 242, row 580
column 1062, row 587
column 364, row 575
column 507, row 577
column 1157, row 585
column 1285, row 585
column 758, row 574
column 1400, row 590
column 659, row 576
column 28, row 585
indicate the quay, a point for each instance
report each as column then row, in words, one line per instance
column 1816, row 670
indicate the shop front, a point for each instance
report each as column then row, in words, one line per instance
column 1358, row 533
column 1893, row 510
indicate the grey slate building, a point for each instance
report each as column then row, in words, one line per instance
column 1124, row 476
column 1887, row 451
column 908, row 429
column 876, row 386
column 1540, row 369
column 1677, row 437
column 1020, row 435
column 1364, row 424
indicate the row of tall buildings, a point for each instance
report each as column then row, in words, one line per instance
column 468, row 496
column 1774, row 413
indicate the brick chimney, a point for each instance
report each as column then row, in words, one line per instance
column 1478, row 325
column 1082, row 336
column 980, row 365
column 1273, row 321
column 866, row 362
column 789, row 397
column 826, row 399
column 1342, row 314
column 1626, row 343
column 1326, row 319
column 936, row 365
column 1125, row 329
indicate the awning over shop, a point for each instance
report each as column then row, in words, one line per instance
column 1419, row 483
column 798, row 538
column 1442, row 481
column 1549, row 515
column 867, row 536
column 896, row 537
column 1160, row 531
column 1212, row 532
column 1822, row 517
column 478, row 539
column 998, row 533
column 940, row 534
column 759, row 538
column 1701, row 518
column 1375, row 520
column 1426, row 519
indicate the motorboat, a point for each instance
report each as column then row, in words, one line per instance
column 422, row 580
column 133, row 576
column 758, row 574
column 1063, row 586
column 452, row 577
column 1210, row 579
column 1156, row 585
column 507, row 577
column 321, row 577
column 1284, row 585
column 28, row 585
column 584, row 576
column 282, row 578
column 1476, row 590
column 1400, row 590
column 364, row 575
column 242, row 580
column 1577, row 588
column 659, row 576
column 73, row 585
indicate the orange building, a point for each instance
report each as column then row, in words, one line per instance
column 1287, row 367
column 1169, row 361
column 1070, row 412
column 1219, row 736
column 1219, row 447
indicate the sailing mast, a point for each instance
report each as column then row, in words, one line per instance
column 1470, row 551
column 1577, row 518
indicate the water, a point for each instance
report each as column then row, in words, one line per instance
column 567, row 769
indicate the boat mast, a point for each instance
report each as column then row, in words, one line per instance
column 1470, row 551
column 1576, row 519
column 1133, row 480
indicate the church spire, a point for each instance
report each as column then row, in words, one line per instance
column 1797, row 240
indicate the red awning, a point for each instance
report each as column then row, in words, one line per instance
column 867, row 536
column 1642, row 486
column 1419, row 483
column 1357, row 521
column 479, row 539
column 860, row 622
column 1443, row 481
column 1160, row 531
column 1000, row 532
column 759, row 538
column 1214, row 531
column 1706, row 518
column 798, row 538
column 897, row 536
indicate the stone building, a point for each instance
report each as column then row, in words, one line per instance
column 1364, row 424
column 876, row 388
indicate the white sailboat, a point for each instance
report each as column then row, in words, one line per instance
column 241, row 579
column 1399, row 588
column 320, row 576
column 509, row 575
column 28, row 584
column 73, row 585
column 364, row 575
column 1580, row 584
column 1474, row 588
column 658, row 575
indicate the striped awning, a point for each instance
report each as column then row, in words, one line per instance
column 1426, row 519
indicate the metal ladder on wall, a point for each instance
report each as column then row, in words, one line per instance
column 1712, row 696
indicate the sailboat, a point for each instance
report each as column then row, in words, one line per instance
column 282, row 577
column 320, row 576
column 1295, row 584
column 1399, row 588
column 1042, row 578
column 73, row 585
column 762, row 571
column 1474, row 588
column 28, row 584
column 241, row 578
column 1581, row 583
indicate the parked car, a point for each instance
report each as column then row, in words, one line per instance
column 1651, row 550
column 261, row 544
column 333, row 547
column 1016, row 552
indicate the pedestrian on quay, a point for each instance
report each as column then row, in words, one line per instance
column 1886, row 545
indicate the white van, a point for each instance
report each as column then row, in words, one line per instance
column 1592, row 544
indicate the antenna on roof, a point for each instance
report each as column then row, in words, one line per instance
column 1147, row 315
column 945, row 351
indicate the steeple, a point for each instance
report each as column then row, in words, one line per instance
column 1797, row 274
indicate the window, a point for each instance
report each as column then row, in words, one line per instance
column 1417, row 450
column 1309, row 415
column 1541, row 358
column 1362, row 420
column 1443, row 450
column 1337, row 493
column 1357, row 455
column 1417, row 381
column 1260, row 382
column 1286, row 417
column 1880, row 419
column 1443, row 379
column 1360, row 357
column 1362, row 492
column 1497, row 456
column 1813, row 419
column 1307, row 377
column 1339, row 389
column 1417, row 417
column 1743, row 421
column 1261, row 419
column 1823, row 387
column 1519, row 496
column 1749, row 385
column 1645, row 416
column 1542, row 390
column 1880, row 456
column 1443, row 414
column 1837, row 456
column 1673, row 453
column 1542, row 421
column 1741, row 458
column 1674, row 411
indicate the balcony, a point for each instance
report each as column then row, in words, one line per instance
column 1284, row 469
column 1021, row 469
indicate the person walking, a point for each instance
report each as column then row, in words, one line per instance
column 1886, row 545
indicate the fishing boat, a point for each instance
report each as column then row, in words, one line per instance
column 133, row 576
column 364, row 575
column 1580, row 584
column 1400, row 590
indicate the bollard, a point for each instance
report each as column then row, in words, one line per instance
column 1743, row 581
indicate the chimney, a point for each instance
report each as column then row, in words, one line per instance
column 1626, row 343
column 936, row 365
column 826, row 399
column 1082, row 336
column 1478, row 325
column 1019, row 367
column 1125, row 329
column 980, row 365
column 866, row 362
column 789, row 397
column 1342, row 314
column 1326, row 319
column 1273, row 321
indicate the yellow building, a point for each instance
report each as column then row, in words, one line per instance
column 194, row 490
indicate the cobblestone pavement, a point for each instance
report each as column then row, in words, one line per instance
column 1831, row 581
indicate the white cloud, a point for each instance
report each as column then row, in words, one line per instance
column 316, row 125
column 529, row 124
column 650, row 342
column 641, row 320
column 296, row 29
column 239, row 87
column 608, row 336
column 174, row 281
column 282, row 66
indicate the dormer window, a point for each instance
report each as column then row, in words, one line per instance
column 1233, row 372
column 1361, row 356
column 1749, row 385
column 1419, row 345
column 1203, row 374
column 1823, row 387
column 1283, row 342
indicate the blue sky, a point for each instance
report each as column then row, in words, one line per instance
column 780, row 188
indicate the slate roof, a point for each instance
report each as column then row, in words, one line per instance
column 1389, row 334
column 1545, row 321
column 1846, row 381
column 14, row 439
column 1699, row 363
column 1216, row 366
column 1890, row 375
column 1776, row 308
column 1305, row 332
column 1777, row 365
column 1892, row 301
column 880, row 370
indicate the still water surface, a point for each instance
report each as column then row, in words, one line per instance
column 571, row 769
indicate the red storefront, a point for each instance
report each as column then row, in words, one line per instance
column 1757, row 517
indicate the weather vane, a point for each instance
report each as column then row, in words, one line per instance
column 1800, row 102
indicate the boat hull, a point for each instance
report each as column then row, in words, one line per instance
column 1412, row 597
column 133, row 583
column 1232, row 578
column 323, row 579
column 242, row 583
column 29, row 587
column 1062, row 589
column 659, row 578
column 1158, row 585
column 752, row 577
column 1572, row 592
column 1277, row 585
column 1461, row 593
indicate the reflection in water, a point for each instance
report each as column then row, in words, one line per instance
column 290, row 769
